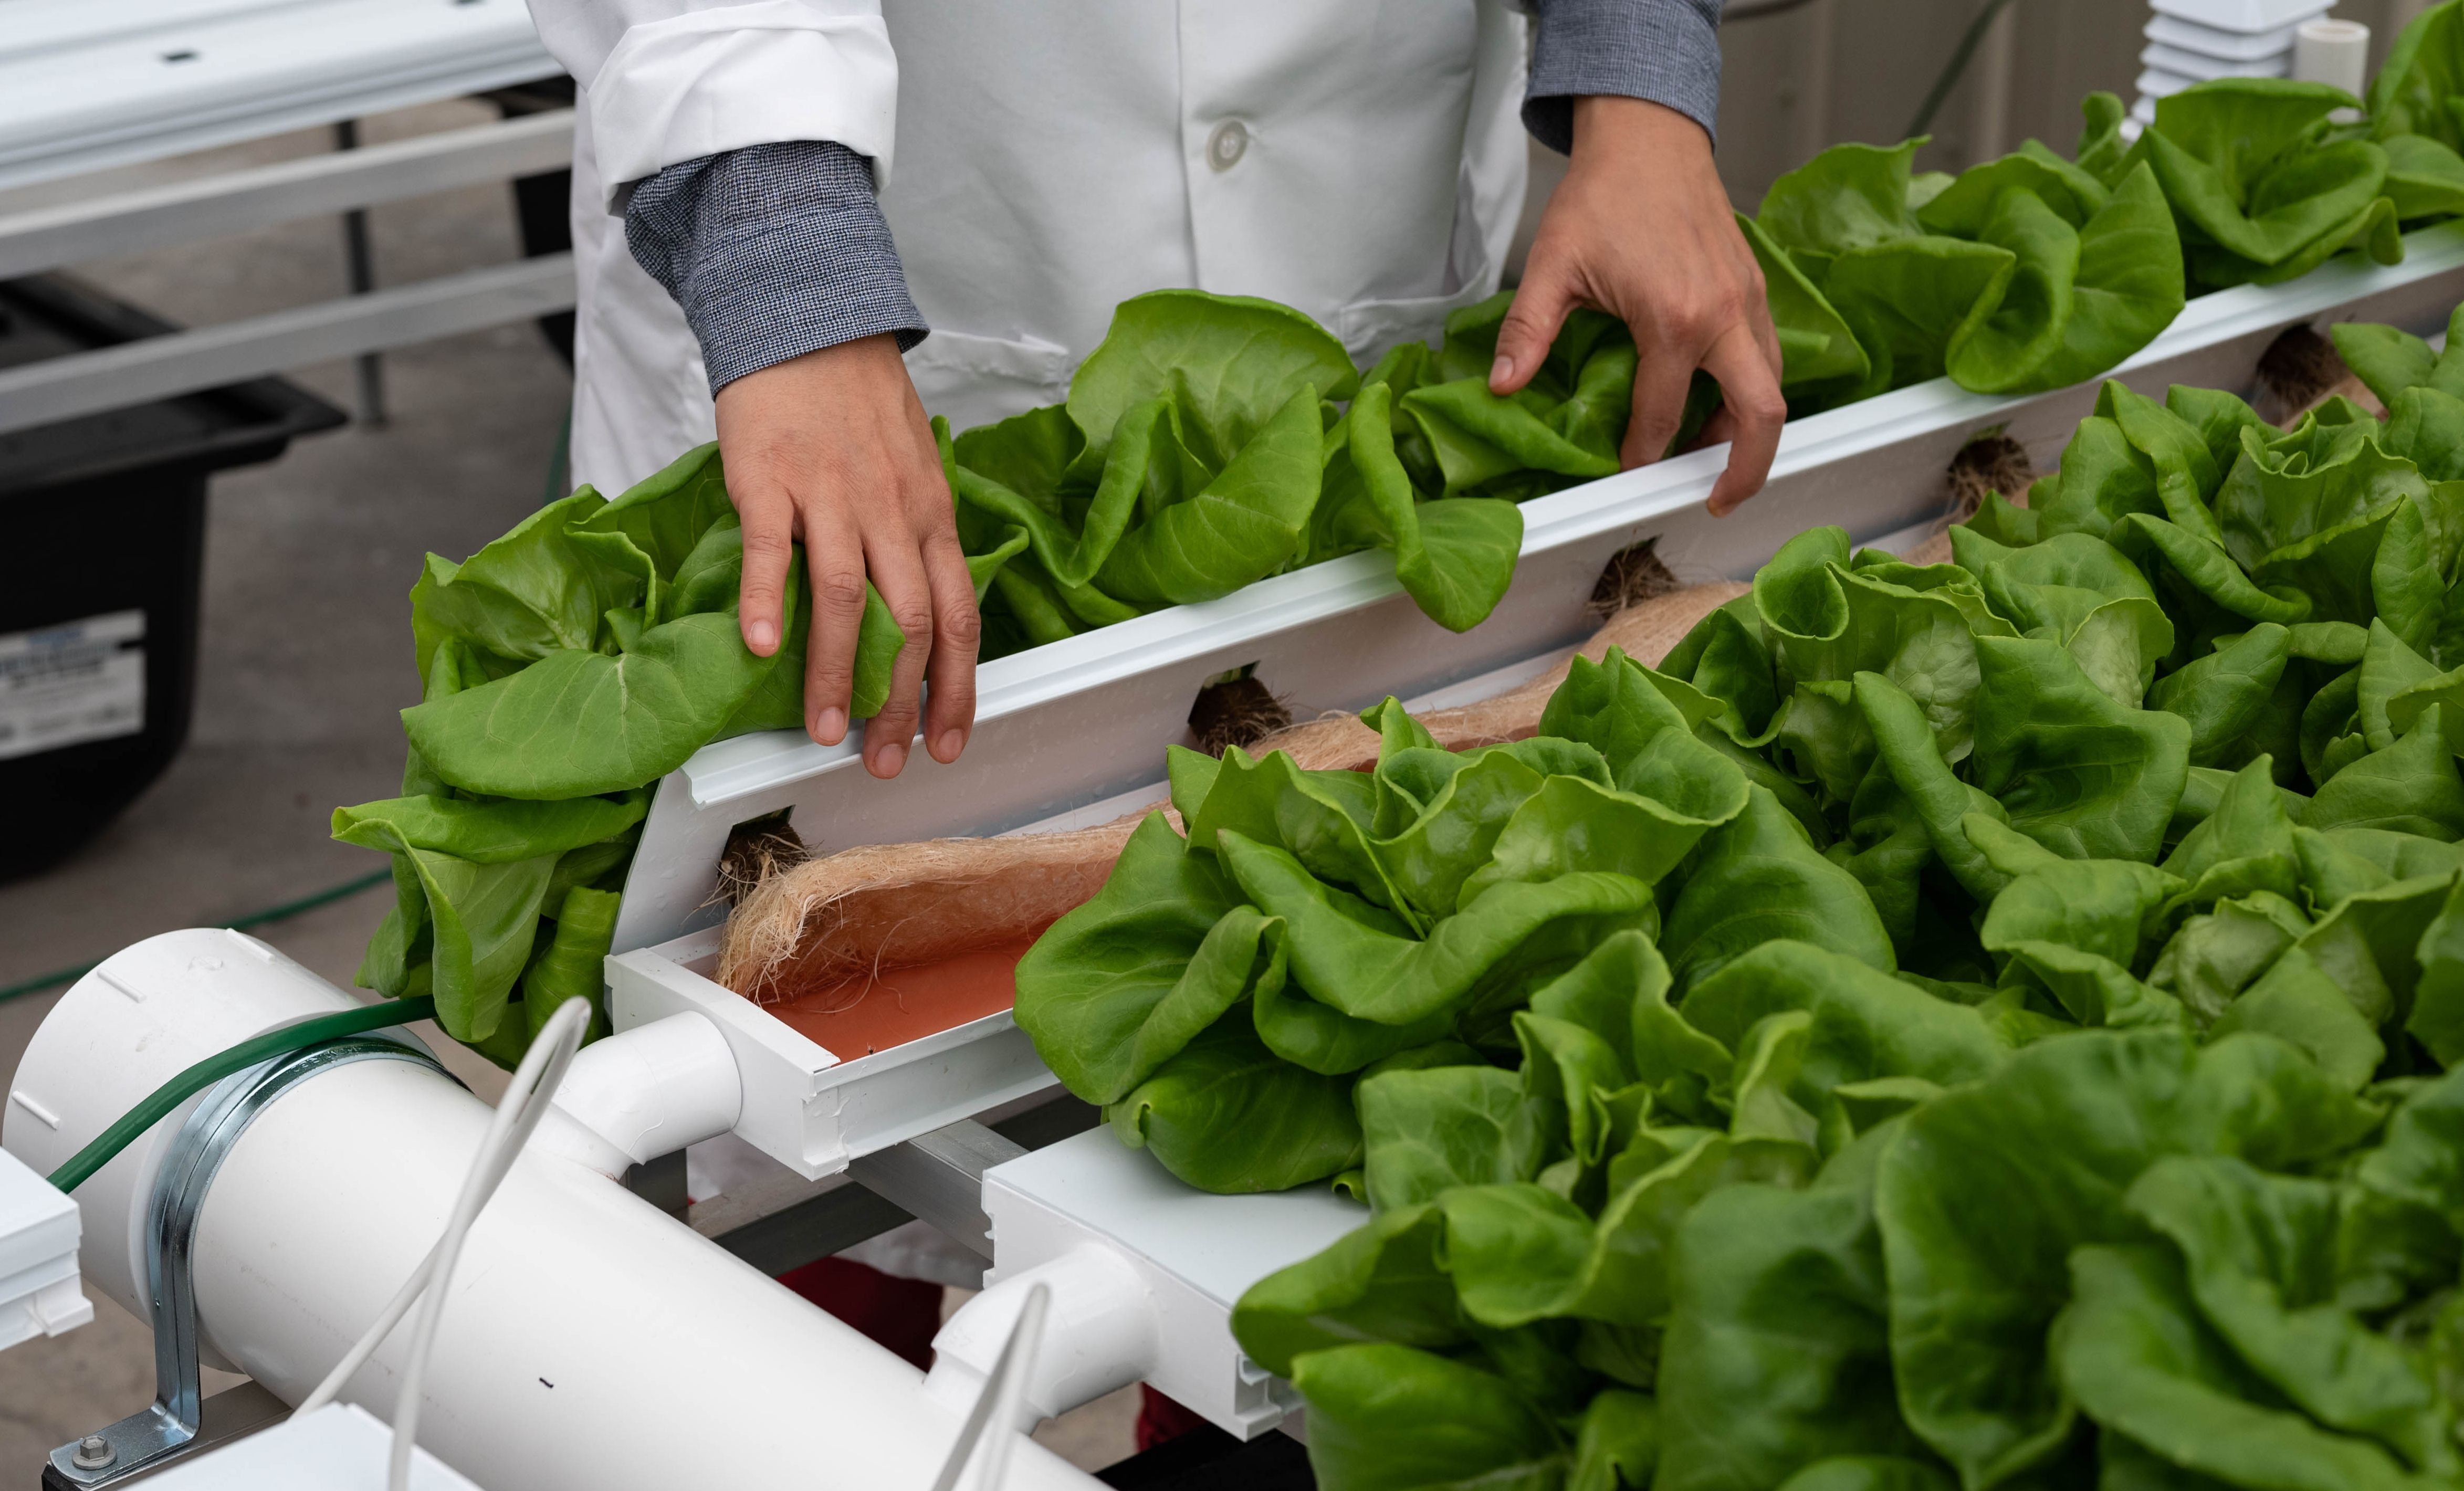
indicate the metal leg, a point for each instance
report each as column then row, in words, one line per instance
column 661, row 1182
column 361, row 259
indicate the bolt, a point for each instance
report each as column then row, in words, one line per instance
column 93, row 1453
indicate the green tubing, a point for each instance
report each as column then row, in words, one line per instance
column 222, row 1063
column 1956, row 68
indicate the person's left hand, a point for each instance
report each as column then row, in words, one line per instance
column 1642, row 229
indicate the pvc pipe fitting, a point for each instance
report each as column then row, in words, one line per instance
column 1100, row 1333
column 644, row 1093
column 2334, row 53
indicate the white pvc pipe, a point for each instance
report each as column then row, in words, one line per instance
column 645, row 1093
column 1101, row 1335
column 590, row 1343
column 2334, row 53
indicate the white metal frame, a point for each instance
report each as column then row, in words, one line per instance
column 84, row 86
column 182, row 211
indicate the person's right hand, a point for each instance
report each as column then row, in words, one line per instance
column 1642, row 229
column 832, row 449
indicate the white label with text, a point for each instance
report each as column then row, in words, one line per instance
column 66, row 685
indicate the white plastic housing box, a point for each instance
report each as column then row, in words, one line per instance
column 2223, row 45
column 1196, row 1252
column 341, row 1447
column 2249, row 18
column 2158, row 83
column 2176, row 63
column 1074, row 731
column 40, row 1294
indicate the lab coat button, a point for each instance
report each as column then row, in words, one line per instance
column 1227, row 144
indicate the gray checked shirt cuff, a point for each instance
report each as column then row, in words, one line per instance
column 772, row 250
column 1665, row 50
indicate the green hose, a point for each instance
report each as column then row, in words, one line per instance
column 238, row 1059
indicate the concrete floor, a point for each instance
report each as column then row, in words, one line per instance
column 305, row 659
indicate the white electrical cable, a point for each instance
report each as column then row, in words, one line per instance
column 524, row 1104
column 327, row 1390
column 996, row 1407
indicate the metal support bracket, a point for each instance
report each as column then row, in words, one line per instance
column 168, row 1426
column 939, row 1177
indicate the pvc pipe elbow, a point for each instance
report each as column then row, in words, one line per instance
column 1100, row 1333
column 644, row 1093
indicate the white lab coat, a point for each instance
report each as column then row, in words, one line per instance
column 1040, row 161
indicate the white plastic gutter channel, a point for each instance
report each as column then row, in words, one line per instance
column 1076, row 721
column 591, row 1343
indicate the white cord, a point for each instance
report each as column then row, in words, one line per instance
column 989, row 1422
column 524, row 1104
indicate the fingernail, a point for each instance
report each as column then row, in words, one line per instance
column 952, row 743
column 1502, row 369
column 765, row 636
column 889, row 761
column 831, row 728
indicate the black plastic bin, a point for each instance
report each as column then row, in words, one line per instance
column 103, row 529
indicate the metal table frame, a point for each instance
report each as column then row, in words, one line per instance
column 212, row 356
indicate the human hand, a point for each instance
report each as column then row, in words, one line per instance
column 1642, row 229
column 832, row 449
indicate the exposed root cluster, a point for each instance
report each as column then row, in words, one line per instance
column 1632, row 576
column 757, row 850
column 1238, row 711
column 1992, row 462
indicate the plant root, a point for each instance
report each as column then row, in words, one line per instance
column 1992, row 462
column 2295, row 372
column 1632, row 576
column 2300, row 371
column 1238, row 711
column 756, row 849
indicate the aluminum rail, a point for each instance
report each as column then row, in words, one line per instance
column 236, row 201
column 209, row 357
column 939, row 1177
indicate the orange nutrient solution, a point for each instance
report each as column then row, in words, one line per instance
column 877, row 1012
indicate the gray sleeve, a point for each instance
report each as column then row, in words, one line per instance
column 773, row 251
column 1666, row 51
